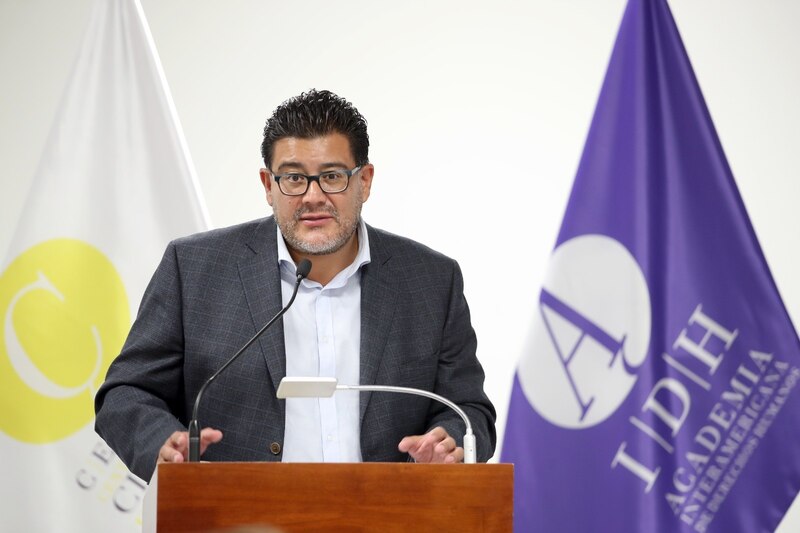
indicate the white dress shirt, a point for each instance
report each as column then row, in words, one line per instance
column 322, row 334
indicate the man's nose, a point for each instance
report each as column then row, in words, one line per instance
column 314, row 194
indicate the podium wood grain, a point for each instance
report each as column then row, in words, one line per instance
column 335, row 497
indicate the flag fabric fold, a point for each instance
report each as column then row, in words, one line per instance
column 656, row 391
column 114, row 185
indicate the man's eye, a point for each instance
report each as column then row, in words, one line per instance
column 331, row 176
column 294, row 178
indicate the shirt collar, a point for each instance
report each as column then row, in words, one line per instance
column 286, row 263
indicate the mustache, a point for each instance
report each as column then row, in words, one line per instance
column 328, row 210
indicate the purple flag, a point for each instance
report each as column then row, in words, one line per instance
column 657, row 390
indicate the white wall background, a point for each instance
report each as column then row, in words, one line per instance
column 454, row 92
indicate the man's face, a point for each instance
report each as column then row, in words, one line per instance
column 316, row 223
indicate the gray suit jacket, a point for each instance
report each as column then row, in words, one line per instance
column 214, row 290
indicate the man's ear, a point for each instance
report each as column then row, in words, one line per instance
column 366, row 175
column 266, row 181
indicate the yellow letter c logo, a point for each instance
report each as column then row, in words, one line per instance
column 64, row 316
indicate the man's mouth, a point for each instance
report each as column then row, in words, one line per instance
column 315, row 219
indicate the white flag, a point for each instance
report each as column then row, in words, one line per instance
column 114, row 185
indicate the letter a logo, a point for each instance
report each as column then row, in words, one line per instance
column 590, row 335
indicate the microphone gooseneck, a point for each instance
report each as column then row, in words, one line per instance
column 325, row 387
column 303, row 269
column 470, row 452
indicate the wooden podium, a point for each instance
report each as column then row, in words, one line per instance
column 333, row 497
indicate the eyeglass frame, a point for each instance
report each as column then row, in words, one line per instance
column 312, row 178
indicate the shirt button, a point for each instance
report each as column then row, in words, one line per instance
column 275, row 448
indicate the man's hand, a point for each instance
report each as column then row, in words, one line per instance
column 436, row 446
column 176, row 448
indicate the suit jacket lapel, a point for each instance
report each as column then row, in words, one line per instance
column 378, row 294
column 261, row 281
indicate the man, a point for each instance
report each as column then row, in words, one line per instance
column 375, row 309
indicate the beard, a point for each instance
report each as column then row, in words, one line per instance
column 346, row 228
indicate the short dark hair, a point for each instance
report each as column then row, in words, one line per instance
column 313, row 114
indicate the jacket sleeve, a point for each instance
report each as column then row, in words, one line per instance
column 460, row 377
column 141, row 401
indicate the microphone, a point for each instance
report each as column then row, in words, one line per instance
column 324, row 387
column 194, row 427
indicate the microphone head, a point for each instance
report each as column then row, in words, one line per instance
column 303, row 269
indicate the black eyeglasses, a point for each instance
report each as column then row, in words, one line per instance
column 331, row 182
